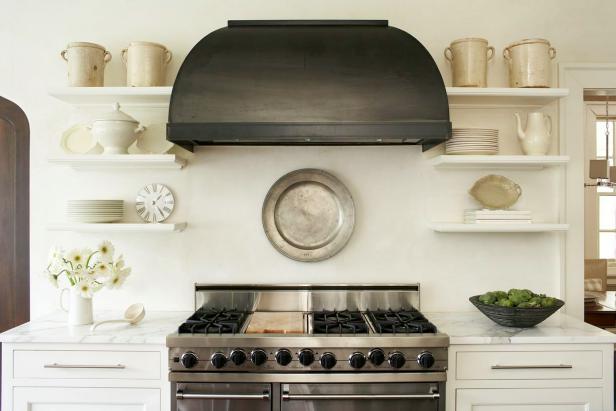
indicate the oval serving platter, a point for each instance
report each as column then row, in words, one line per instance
column 495, row 192
column 308, row 215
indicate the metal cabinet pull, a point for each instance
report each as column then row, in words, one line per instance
column 181, row 395
column 97, row 366
column 310, row 397
column 530, row 367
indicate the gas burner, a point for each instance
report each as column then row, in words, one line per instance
column 400, row 321
column 338, row 322
column 214, row 321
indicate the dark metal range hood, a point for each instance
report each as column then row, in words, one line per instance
column 311, row 83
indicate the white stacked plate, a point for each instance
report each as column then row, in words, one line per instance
column 95, row 211
column 472, row 141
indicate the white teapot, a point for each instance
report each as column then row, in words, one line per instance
column 537, row 137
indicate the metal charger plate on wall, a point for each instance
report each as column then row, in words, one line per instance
column 308, row 215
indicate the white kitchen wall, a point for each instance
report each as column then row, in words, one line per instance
column 221, row 191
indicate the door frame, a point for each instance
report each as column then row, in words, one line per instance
column 576, row 77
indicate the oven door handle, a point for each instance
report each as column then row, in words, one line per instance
column 310, row 397
column 181, row 395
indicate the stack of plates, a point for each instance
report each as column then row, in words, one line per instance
column 95, row 211
column 473, row 141
column 497, row 217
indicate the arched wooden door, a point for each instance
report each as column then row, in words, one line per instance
column 14, row 216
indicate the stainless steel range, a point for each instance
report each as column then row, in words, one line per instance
column 317, row 348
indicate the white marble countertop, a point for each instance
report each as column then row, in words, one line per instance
column 475, row 328
column 54, row 329
column 462, row 328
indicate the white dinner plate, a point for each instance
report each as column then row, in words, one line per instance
column 78, row 139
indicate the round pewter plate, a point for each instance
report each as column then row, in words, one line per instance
column 308, row 215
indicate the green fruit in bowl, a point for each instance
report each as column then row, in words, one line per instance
column 504, row 302
column 520, row 298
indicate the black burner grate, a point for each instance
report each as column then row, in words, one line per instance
column 214, row 321
column 338, row 322
column 400, row 321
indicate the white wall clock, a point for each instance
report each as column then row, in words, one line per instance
column 154, row 203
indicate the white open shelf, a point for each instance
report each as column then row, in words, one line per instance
column 159, row 96
column 119, row 227
column 453, row 227
column 497, row 161
column 124, row 161
column 127, row 96
column 497, row 96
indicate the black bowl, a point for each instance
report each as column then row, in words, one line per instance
column 514, row 316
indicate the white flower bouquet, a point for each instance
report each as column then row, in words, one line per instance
column 87, row 271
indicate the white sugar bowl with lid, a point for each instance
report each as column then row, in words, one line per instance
column 115, row 131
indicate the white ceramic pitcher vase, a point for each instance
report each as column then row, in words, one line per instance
column 537, row 137
column 79, row 308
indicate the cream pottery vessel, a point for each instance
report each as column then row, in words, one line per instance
column 79, row 308
column 86, row 64
column 469, row 59
column 537, row 137
column 116, row 131
column 529, row 63
column 146, row 64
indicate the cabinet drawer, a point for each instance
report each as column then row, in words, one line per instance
column 538, row 365
column 86, row 399
column 530, row 399
column 86, row 364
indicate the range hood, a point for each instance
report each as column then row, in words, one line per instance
column 308, row 82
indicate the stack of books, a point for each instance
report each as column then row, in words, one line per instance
column 497, row 217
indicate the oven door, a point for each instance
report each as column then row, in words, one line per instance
column 221, row 396
column 362, row 397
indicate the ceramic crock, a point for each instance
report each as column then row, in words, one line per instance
column 86, row 64
column 79, row 308
column 115, row 131
column 146, row 64
column 529, row 62
column 469, row 60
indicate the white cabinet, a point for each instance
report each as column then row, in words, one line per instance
column 530, row 377
column 529, row 399
column 85, row 399
column 84, row 377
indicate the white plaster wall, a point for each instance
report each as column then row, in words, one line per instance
column 221, row 191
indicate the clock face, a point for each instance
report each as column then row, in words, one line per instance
column 154, row 203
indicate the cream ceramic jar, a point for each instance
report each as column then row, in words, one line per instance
column 146, row 64
column 115, row 131
column 86, row 64
column 529, row 62
column 469, row 60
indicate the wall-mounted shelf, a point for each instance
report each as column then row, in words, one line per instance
column 117, row 161
column 452, row 227
column 126, row 96
column 159, row 96
column 119, row 227
column 501, row 96
column 497, row 161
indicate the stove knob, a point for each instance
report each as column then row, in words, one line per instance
column 189, row 359
column 258, row 357
column 425, row 359
column 218, row 360
column 357, row 360
column 376, row 356
column 328, row 360
column 237, row 356
column 284, row 356
column 396, row 359
column 306, row 357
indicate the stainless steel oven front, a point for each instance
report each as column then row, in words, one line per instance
column 311, row 392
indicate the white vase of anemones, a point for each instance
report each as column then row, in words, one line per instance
column 82, row 272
